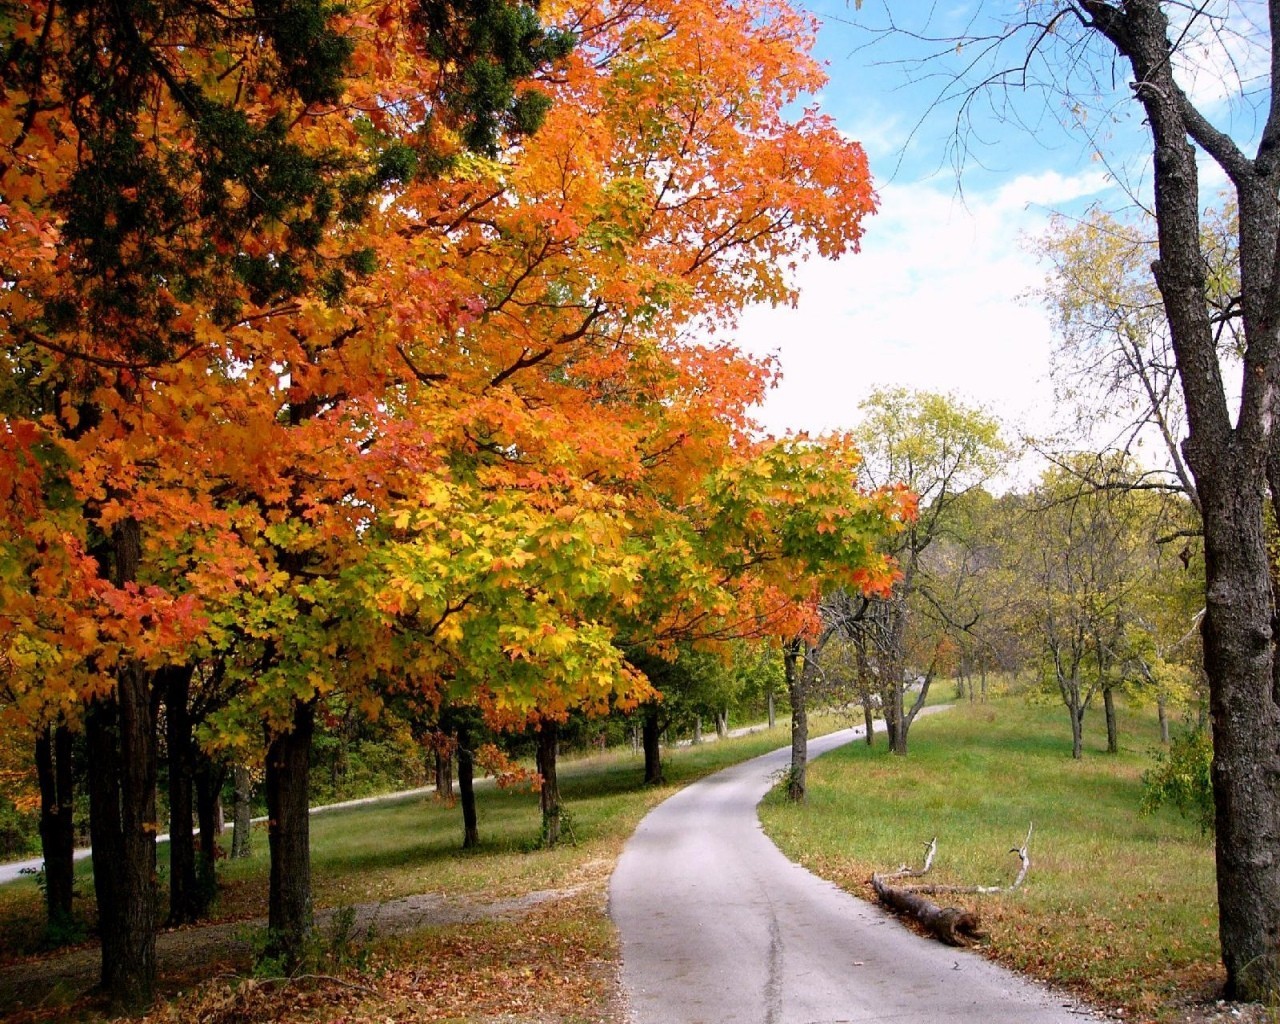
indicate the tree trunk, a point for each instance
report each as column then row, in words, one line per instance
column 122, row 827
column 444, row 777
column 651, row 737
column 184, row 903
column 466, row 790
column 1239, row 656
column 1077, row 730
column 1231, row 463
column 289, row 909
column 120, row 730
column 864, row 686
column 697, row 728
column 1109, row 708
column 241, row 844
column 57, row 828
column 773, row 714
column 897, row 722
column 210, row 775
column 953, row 925
column 1162, row 711
column 722, row 724
column 795, row 663
column 898, row 726
column 549, row 794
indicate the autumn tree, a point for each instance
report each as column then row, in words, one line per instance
column 326, row 368
column 166, row 186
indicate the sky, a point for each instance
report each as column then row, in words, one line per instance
column 938, row 298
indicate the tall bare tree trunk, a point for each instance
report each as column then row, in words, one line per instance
column 184, row 903
column 651, row 737
column 209, row 777
column 1233, row 456
column 57, row 827
column 466, row 789
column 1109, row 709
column 795, row 665
column 444, row 777
column 549, row 795
column 865, row 691
column 289, row 907
column 120, row 730
column 242, row 818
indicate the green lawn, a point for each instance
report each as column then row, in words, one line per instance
column 1118, row 907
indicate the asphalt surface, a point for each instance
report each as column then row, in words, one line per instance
column 718, row 926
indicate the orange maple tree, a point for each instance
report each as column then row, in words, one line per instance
column 325, row 369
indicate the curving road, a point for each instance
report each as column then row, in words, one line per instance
column 718, row 926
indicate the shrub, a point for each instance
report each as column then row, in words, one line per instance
column 1180, row 777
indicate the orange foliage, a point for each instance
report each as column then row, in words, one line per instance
column 497, row 451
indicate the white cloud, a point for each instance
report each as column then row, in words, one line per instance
column 931, row 303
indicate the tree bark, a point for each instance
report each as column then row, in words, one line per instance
column 444, row 777
column 1231, row 464
column 466, row 789
column 651, row 736
column 241, row 843
column 953, row 925
column 795, row 665
column 1162, row 711
column 184, row 903
column 289, row 907
column 1109, row 708
column 120, row 731
column 57, row 827
column 549, row 794
column 772, row 710
column 864, row 686
column 209, row 777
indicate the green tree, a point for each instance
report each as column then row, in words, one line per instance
column 940, row 449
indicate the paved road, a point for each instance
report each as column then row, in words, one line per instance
column 718, row 926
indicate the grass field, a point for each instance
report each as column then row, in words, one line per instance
column 1117, row 907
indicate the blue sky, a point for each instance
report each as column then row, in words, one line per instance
column 937, row 299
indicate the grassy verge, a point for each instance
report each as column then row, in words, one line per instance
column 556, row 963
column 1117, row 907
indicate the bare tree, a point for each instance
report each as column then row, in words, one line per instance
column 1231, row 448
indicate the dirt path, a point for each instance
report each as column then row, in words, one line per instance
column 187, row 955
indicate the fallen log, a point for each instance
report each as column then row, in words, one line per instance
column 953, row 925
